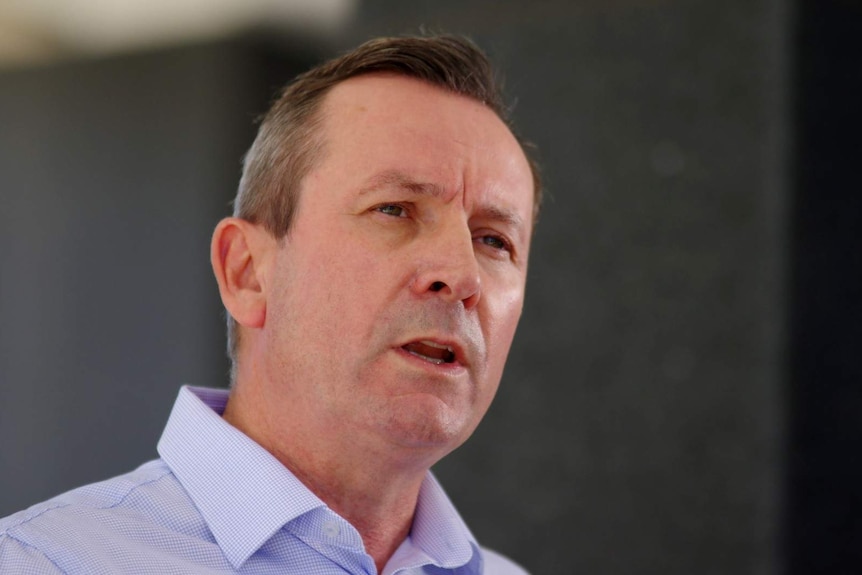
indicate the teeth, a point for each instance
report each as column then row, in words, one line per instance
column 437, row 345
column 431, row 352
column 433, row 360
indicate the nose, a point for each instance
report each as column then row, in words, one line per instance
column 448, row 268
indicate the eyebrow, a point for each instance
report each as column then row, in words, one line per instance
column 396, row 179
column 501, row 215
column 400, row 180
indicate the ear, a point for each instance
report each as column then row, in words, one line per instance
column 238, row 254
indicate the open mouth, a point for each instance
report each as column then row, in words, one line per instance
column 430, row 351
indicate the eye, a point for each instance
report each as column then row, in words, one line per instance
column 394, row 210
column 495, row 242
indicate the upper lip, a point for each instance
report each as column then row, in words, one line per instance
column 455, row 346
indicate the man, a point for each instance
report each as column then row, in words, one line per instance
column 374, row 275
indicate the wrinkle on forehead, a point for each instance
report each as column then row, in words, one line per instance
column 479, row 148
column 400, row 180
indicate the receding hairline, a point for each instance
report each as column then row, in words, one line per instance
column 323, row 109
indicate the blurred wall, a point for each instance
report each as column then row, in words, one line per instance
column 823, row 514
column 640, row 426
column 113, row 173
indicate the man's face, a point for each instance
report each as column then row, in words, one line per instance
column 393, row 300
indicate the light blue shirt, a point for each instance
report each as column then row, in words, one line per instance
column 217, row 502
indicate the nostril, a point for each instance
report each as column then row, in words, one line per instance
column 437, row 286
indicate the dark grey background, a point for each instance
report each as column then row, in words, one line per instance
column 649, row 418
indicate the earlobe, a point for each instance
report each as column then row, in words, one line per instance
column 238, row 254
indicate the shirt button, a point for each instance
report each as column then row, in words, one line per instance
column 331, row 528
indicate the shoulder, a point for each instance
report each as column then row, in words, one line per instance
column 496, row 564
column 51, row 534
column 18, row 557
column 102, row 495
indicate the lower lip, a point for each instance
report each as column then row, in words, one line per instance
column 453, row 368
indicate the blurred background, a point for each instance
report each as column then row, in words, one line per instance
column 684, row 390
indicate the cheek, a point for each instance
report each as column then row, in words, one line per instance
column 505, row 301
column 340, row 288
column 502, row 316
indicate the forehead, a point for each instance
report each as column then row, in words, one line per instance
column 389, row 123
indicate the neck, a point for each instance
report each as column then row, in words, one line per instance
column 380, row 508
column 369, row 487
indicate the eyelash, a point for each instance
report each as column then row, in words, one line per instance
column 382, row 207
column 505, row 244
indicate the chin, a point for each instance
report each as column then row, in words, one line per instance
column 427, row 424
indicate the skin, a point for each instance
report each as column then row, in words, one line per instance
column 414, row 226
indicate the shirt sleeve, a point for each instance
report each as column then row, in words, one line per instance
column 22, row 559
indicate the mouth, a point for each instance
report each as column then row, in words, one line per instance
column 431, row 351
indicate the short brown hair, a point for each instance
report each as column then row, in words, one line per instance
column 289, row 140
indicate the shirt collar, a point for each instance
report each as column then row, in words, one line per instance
column 246, row 495
column 438, row 528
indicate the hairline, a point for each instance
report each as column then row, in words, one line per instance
column 317, row 139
